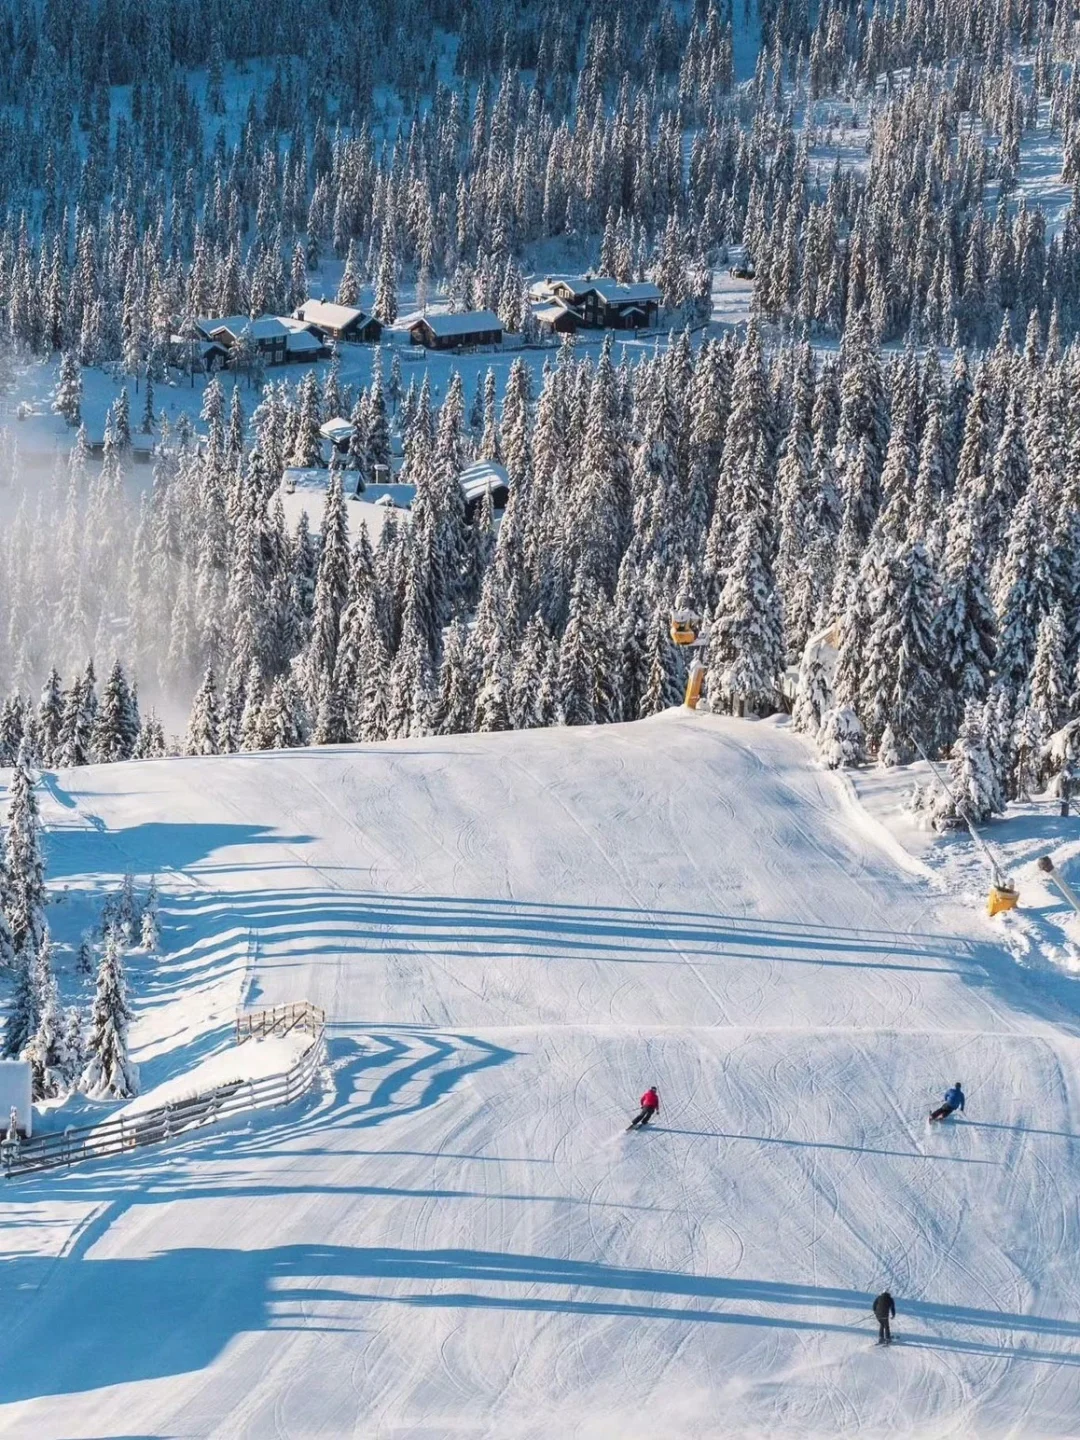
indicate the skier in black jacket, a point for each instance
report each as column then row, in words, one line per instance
column 884, row 1311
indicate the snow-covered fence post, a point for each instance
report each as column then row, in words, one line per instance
column 11, row 1144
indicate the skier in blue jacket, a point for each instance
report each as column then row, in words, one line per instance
column 954, row 1100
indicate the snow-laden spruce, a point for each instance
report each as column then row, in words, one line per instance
column 108, row 1072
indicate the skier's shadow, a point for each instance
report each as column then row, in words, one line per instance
column 828, row 1145
column 1016, row 1129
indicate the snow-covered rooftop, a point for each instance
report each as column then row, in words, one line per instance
column 263, row 327
column 612, row 293
column 329, row 313
column 554, row 310
column 300, row 342
column 338, row 429
column 466, row 323
column 483, row 476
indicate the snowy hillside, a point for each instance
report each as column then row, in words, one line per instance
column 512, row 935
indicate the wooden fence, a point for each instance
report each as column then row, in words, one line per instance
column 149, row 1127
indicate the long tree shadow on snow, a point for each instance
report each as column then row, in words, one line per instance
column 84, row 1323
column 154, row 847
column 339, row 921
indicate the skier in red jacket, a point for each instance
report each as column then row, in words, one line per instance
column 650, row 1104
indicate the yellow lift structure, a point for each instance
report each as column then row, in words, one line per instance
column 687, row 631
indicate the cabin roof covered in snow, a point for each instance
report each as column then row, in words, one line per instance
column 337, row 429
column 263, row 327
column 461, row 324
column 555, row 310
column 578, row 283
column 481, row 476
column 329, row 313
column 612, row 293
column 299, row 342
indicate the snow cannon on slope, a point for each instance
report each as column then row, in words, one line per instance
column 688, row 631
column 1003, row 896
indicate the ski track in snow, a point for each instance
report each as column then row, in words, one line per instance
column 513, row 935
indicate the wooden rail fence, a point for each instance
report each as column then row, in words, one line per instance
column 149, row 1127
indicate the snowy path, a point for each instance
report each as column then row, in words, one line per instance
column 512, row 936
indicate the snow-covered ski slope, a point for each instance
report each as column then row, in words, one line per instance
column 513, row 935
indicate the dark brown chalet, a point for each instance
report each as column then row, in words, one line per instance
column 453, row 332
column 340, row 322
column 590, row 302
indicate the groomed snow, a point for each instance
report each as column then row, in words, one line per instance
column 512, row 935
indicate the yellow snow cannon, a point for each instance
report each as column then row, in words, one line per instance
column 1003, row 896
column 693, row 684
column 685, row 627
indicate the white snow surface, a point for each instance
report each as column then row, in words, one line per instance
column 512, row 936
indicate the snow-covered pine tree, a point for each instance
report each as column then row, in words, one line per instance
column 600, row 506
column 24, row 897
column 902, row 652
column 1060, row 761
column 746, row 649
column 1024, row 593
column 109, row 1073
column 285, row 719
column 73, row 1049
column 151, row 743
column 814, row 693
column 576, row 681
column 966, row 623
column 46, row 1049
column 975, row 795
column 1025, row 754
column 331, row 589
column 663, row 683
column 528, row 674
column 128, row 911
column 1049, row 684
column 50, row 715
column 203, row 722
column 386, row 298
column 841, row 741
column 68, row 399
column 307, row 442
column 22, row 1014
column 149, row 923
column 84, row 956
column 112, row 738
column 76, row 727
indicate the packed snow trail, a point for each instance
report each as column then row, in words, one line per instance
column 513, row 935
